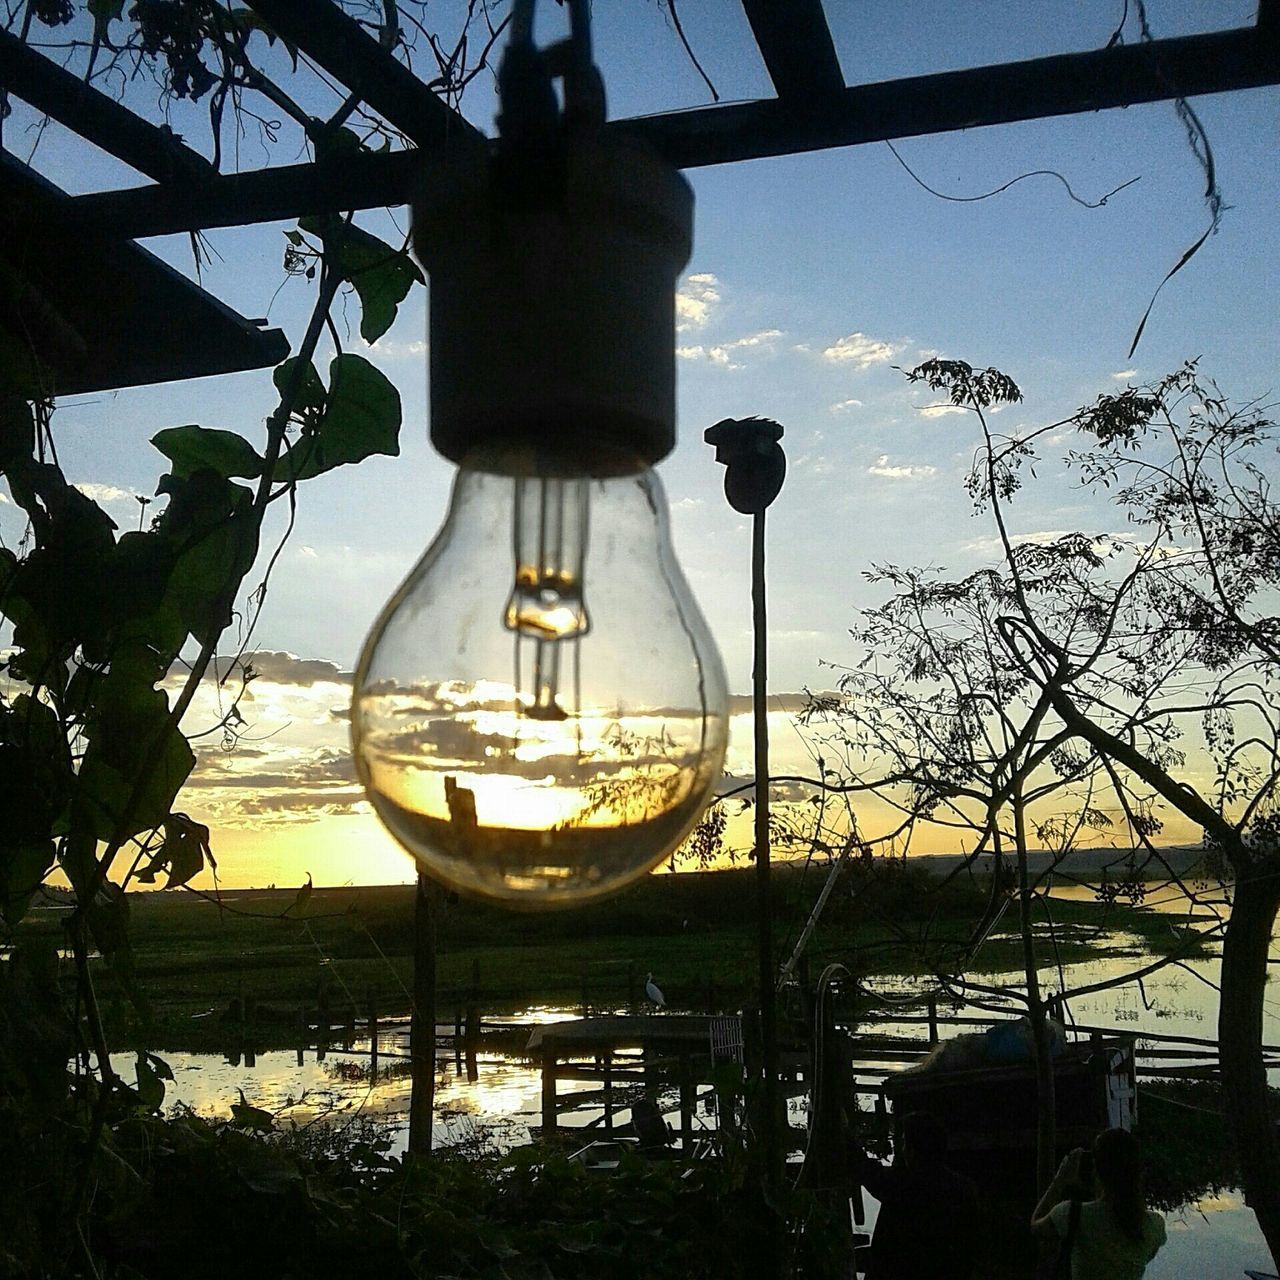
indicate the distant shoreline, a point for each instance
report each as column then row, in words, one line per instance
column 1088, row 865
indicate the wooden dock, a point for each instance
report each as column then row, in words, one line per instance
column 649, row 1051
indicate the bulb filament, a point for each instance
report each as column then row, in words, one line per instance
column 547, row 606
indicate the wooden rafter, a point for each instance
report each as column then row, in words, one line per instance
column 93, row 115
column 797, row 48
column 343, row 48
column 1061, row 85
column 92, row 313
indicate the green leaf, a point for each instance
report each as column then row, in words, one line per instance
column 23, row 868
column 182, row 854
column 361, row 417
column 34, row 764
column 212, row 525
column 108, row 917
column 129, row 722
column 246, row 21
column 311, row 392
column 192, row 447
column 60, row 594
column 17, row 430
column 381, row 274
column 333, row 143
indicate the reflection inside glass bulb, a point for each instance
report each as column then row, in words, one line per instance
column 518, row 746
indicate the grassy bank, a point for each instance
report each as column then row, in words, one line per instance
column 192, row 957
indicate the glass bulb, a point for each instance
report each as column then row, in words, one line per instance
column 540, row 713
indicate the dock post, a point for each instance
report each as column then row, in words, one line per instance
column 473, row 1041
column 687, row 1091
column 933, row 1018
column 608, row 1090
column 422, row 1027
column 371, row 1005
column 548, row 1089
column 302, row 1032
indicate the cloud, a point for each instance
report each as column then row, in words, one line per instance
column 322, row 769
column 861, row 351
column 249, row 785
column 1100, row 543
column 789, row 792
column 1123, row 375
column 813, row 464
column 722, row 354
column 390, row 349
column 843, row 406
column 104, row 492
column 939, row 410
column 303, row 805
column 741, row 704
column 274, row 666
column 911, row 472
column 695, row 300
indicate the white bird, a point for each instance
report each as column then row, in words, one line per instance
column 654, row 992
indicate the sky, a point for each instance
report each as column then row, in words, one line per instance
column 814, row 280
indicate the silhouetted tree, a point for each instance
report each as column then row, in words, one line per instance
column 1152, row 660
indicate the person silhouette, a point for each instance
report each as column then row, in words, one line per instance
column 928, row 1221
column 1111, row 1236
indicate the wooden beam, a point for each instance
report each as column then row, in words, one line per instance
column 1064, row 84
column 360, row 180
column 1061, row 85
column 343, row 48
column 44, row 85
column 95, row 314
column 797, row 48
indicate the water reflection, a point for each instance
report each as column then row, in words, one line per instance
column 1216, row 1237
column 498, row 1108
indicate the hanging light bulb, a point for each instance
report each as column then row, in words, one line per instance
column 540, row 713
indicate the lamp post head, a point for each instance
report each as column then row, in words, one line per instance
column 755, row 464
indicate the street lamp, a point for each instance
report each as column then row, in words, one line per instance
column 540, row 712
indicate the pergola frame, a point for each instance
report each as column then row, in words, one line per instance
column 814, row 110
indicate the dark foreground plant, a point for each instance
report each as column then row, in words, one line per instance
column 188, row 1196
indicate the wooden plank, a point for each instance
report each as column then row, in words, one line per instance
column 1066, row 84
column 343, row 48
column 1161, row 1037
column 799, row 54
column 43, row 84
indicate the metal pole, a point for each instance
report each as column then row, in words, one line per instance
column 755, row 467
column 764, row 902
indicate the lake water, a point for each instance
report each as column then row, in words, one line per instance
column 498, row 1105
